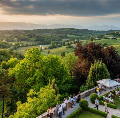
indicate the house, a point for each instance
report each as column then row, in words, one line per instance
column 112, row 37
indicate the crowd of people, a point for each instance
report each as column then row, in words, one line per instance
column 61, row 108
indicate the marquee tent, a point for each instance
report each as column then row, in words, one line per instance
column 108, row 82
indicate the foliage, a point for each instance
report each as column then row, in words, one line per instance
column 67, row 87
column 69, row 61
column 97, row 112
column 113, row 116
column 108, row 104
column 36, row 71
column 37, row 103
column 88, row 53
column 5, row 84
column 75, row 113
column 98, row 71
column 83, row 103
column 10, row 64
column 83, row 88
column 93, row 97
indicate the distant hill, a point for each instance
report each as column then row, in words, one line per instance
column 103, row 27
column 30, row 26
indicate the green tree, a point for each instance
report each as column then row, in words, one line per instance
column 10, row 64
column 37, row 103
column 98, row 71
column 5, row 84
column 69, row 61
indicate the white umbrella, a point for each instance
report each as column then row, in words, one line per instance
column 102, row 81
column 110, row 83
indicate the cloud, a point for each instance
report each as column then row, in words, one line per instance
column 61, row 7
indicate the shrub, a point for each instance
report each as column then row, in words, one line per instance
column 100, row 98
column 97, row 112
column 93, row 97
column 108, row 104
column 83, row 88
column 83, row 104
column 75, row 113
column 113, row 116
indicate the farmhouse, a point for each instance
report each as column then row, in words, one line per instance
column 112, row 37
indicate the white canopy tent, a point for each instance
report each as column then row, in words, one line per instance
column 108, row 82
column 102, row 81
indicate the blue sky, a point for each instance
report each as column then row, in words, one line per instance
column 75, row 12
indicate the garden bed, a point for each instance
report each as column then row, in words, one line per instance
column 114, row 105
column 89, row 113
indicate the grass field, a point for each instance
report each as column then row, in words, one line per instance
column 117, row 101
column 111, row 42
column 24, row 49
column 87, row 114
column 71, row 35
column 57, row 51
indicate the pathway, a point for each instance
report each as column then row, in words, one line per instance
column 101, row 107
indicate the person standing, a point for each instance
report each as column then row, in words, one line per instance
column 96, row 103
column 74, row 99
column 78, row 96
column 63, row 107
column 57, row 108
column 98, row 90
column 66, row 102
column 105, row 103
column 60, row 111
column 48, row 114
column 70, row 100
column 51, row 112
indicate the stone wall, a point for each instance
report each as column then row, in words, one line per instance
column 83, row 95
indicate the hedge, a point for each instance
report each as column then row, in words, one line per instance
column 75, row 113
column 97, row 112
column 93, row 97
column 83, row 103
column 113, row 116
column 108, row 104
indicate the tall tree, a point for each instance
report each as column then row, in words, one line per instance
column 5, row 83
column 87, row 54
column 98, row 71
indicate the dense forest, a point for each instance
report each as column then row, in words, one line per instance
column 31, row 83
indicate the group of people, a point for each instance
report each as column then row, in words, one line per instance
column 97, row 104
column 61, row 108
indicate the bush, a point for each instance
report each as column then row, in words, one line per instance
column 97, row 112
column 100, row 98
column 108, row 104
column 113, row 116
column 93, row 97
column 83, row 88
column 83, row 104
column 75, row 113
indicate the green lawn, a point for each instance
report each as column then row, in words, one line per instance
column 57, row 51
column 87, row 114
column 110, row 42
column 68, row 35
column 117, row 101
column 24, row 49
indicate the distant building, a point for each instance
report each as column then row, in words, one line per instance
column 112, row 37
column 73, row 45
column 96, row 38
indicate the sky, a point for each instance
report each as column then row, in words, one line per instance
column 67, row 12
